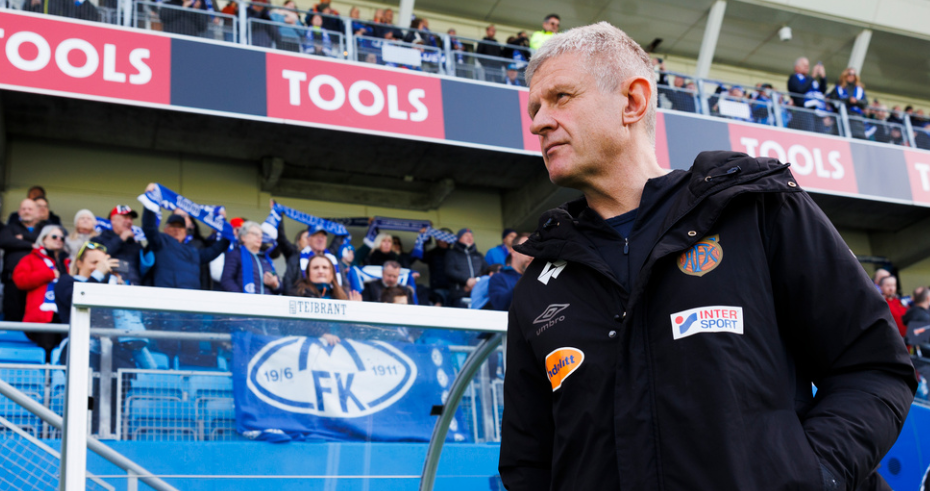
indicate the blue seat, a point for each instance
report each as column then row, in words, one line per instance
column 156, row 386
column 22, row 354
column 160, row 420
column 219, row 419
column 14, row 337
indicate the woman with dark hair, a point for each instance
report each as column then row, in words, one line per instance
column 320, row 282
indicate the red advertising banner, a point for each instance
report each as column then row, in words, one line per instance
column 918, row 172
column 818, row 163
column 530, row 141
column 324, row 92
column 45, row 53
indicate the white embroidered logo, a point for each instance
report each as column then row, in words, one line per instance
column 551, row 270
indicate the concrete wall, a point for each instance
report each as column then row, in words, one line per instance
column 98, row 178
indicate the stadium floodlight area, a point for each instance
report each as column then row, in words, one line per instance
column 181, row 375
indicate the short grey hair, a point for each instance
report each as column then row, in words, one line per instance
column 246, row 226
column 610, row 55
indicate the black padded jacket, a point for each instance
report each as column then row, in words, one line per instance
column 700, row 376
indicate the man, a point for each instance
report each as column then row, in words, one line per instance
column 889, row 289
column 16, row 240
column 435, row 260
column 121, row 243
column 498, row 255
column 880, row 274
column 501, row 285
column 490, row 46
column 806, row 92
column 550, row 27
column 390, row 276
column 919, row 312
column 640, row 356
column 463, row 266
column 177, row 262
column 512, row 76
column 37, row 194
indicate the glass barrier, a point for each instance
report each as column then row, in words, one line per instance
column 196, row 22
column 922, row 137
column 878, row 130
column 418, row 57
column 352, row 388
column 296, row 38
column 678, row 99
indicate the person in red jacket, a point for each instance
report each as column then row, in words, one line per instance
column 36, row 274
column 889, row 287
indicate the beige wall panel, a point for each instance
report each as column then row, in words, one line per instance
column 220, row 181
column 914, row 276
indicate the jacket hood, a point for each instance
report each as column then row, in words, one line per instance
column 715, row 176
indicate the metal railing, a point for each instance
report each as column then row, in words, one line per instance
column 358, row 40
column 175, row 19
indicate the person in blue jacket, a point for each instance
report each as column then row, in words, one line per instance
column 247, row 270
column 177, row 261
column 501, row 285
column 499, row 254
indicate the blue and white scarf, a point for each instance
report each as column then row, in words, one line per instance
column 163, row 197
column 857, row 92
column 104, row 224
column 48, row 303
column 270, row 227
column 380, row 224
column 417, row 251
column 248, row 274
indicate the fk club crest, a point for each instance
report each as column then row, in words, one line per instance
column 702, row 257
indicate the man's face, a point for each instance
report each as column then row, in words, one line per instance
column 491, row 31
column 803, row 66
column 27, row 211
column 318, row 241
column 121, row 223
column 508, row 241
column 177, row 231
column 467, row 238
column 889, row 286
column 551, row 25
column 881, row 273
column 579, row 127
column 389, row 16
column 317, row 21
column 389, row 276
column 41, row 209
column 512, row 75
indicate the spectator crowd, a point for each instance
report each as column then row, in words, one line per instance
column 42, row 260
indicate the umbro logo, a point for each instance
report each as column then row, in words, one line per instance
column 551, row 270
column 550, row 317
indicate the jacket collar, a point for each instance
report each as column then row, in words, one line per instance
column 713, row 180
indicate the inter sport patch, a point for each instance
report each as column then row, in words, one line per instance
column 702, row 257
column 561, row 363
column 716, row 318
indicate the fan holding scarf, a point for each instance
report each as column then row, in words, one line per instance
column 36, row 274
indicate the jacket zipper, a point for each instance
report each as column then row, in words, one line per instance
column 626, row 245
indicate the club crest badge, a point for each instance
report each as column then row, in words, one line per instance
column 702, row 258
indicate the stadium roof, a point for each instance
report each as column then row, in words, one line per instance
column 897, row 62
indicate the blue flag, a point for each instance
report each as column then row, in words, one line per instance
column 380, row 224
column 163, row 197
column 417, row 251
column 301, row 388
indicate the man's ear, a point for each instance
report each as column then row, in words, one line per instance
column 638, row 94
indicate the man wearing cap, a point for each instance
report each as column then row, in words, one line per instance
column 463, row 266
column 498, row 255
column 177, row 262
column 511, row 78
column 16, row 240
column 121, row 243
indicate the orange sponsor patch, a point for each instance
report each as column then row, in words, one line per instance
column 561, row 363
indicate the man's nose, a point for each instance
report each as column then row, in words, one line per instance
column 542, row 122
